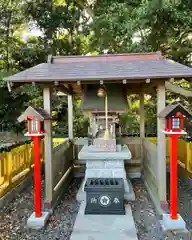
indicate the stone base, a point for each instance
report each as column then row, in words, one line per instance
column 169, row 224
column 105, row 169
column 129, row 194
column 38, row 223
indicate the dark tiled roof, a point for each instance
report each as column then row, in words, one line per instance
column 39, row 113
column 43, row 113
column 172, row 109
column 117, row 101
column 105, row 67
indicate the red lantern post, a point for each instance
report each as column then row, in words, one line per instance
column 174, row 115
column 35, row 124
column 37, row 176
column 174, row 130
column 36, row 133
column 173, row 175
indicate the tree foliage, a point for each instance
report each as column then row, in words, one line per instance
column 72, row 27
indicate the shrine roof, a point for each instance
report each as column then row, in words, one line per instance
column 38, row 113
column 171, row 109
column 103, row 67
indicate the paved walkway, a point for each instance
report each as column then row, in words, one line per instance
column 113, row 227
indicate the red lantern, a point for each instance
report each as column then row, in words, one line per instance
column 174, row 115
column 35, row 123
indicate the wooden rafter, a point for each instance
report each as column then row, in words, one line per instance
column 64, row 89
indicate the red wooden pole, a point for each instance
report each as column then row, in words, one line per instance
column 173, row 177
column 37, row 177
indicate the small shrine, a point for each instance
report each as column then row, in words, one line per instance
column 95, row 100
column 104, row 82
column 105, row 156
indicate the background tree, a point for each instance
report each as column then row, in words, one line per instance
column 73, row 27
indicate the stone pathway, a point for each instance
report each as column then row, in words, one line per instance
column 13, row 217
column 102, row 227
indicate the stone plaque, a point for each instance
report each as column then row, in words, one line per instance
column 103, row 145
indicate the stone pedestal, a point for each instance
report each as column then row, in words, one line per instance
column 172, row 224
column 105, row 169
column 106, row 165
column 37, row 223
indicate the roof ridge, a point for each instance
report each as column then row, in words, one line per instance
column 158, row 53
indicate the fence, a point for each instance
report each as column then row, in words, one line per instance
column 18, row 163
column 184, row 154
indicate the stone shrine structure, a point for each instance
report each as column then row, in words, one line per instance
column 122, row 74
column 105, row 157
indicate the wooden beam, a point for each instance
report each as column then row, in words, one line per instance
column 63, row 89
column 176, row 89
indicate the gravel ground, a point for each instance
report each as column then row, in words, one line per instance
column 144, row 213
column 146, row 217
column 184, row 202
column 14, row 216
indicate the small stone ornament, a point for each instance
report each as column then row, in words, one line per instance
column 104, row 201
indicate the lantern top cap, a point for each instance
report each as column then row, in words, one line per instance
column 171, row 109
column 39, row 113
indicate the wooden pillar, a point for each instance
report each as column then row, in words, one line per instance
column 70, row 117
column 47, row 92
column 161, row 146
column 94, row 126
column 142, row 123
column 142, row 116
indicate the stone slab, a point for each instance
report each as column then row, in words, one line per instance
column 105, row 173
column 88, row 153
column 91, row 164
column 37, row 223
column 114, row 163
column 129, row 194
column 113, row 227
